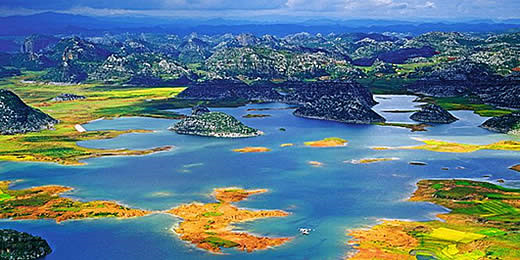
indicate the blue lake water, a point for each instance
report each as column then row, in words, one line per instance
column 330, row 199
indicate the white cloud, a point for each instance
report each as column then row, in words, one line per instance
column 429, row 4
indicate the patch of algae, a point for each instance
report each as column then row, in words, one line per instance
column 209, row 226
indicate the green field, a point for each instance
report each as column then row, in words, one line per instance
column 60, row 145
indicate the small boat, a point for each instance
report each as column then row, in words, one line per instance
column 305, row 231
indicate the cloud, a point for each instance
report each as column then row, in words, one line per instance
column 429, row 4
column 317, row 6
column 399, row 9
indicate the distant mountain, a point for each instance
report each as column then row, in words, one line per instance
column 58, row 23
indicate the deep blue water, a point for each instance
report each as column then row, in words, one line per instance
column 329, row 199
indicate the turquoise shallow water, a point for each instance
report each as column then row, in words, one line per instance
column 329, row 199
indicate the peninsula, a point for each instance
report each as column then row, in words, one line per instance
column 45, row 202
column 481, row 225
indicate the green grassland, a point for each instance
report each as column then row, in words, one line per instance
column 60, row 145
column 467, row 103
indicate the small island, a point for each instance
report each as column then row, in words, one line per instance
column 45, row 202
column 372, row 160
column 202, row 122
column 22, row 246
column 255, row 115
column 327, row 142
column 252, row 150
column 482, row 224
column 412, row 127
column 515, row 168
column 432, row 113
column 209, row 226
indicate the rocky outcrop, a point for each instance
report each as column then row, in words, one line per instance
column 502, row 93
column 401, row 55
column 194, row 50
column 341, row 110
column 230, row 89
column 16, row 117
column 329, row 100
column 346, row 102
column 213, row 124
column 139, row 69
column 453, row 79
column 432, row 113
column 199, row 110
column 302, row 92
column 35, row 43
column 508, row 124
column 67, row 97
column 22, row 246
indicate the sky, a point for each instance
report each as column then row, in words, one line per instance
column 332, row 9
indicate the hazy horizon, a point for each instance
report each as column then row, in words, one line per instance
column 278, row 10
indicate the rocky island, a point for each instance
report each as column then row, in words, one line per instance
column 432, row 113
column 202, row 122
column 507, row 124
column 16, row 117
column 482, row 224
column 22, row 246
column 340, row 110
column 209, row 226
column 45, row 202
